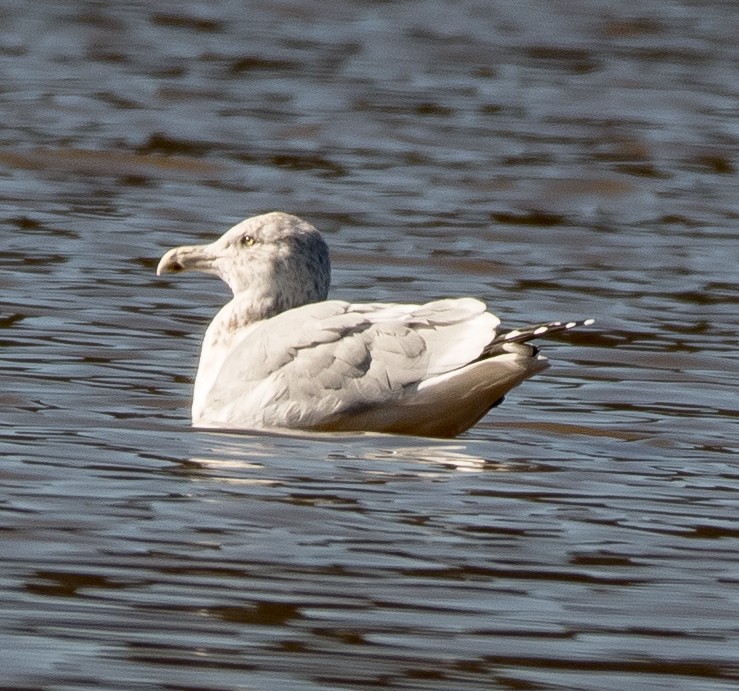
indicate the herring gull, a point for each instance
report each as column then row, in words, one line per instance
column 280, row 355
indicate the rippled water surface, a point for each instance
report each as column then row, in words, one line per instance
column 558, row 160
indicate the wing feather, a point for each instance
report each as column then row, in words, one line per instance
column 315, row 365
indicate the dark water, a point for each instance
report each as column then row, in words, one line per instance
column 558, row 160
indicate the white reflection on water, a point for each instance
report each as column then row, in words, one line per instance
column 398, row 452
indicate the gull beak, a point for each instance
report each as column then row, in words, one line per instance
column 193, row 258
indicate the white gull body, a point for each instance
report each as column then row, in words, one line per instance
column 280, row 355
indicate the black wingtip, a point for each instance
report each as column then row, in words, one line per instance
column 528, row 333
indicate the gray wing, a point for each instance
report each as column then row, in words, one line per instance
column 308, row 367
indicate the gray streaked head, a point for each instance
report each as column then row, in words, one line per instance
column 280, row 261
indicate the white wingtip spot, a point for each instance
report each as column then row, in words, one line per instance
column 541, row 330
column 588, row 322
column 569, row 325
column 512, row 334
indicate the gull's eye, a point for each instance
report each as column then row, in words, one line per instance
column 247, row 241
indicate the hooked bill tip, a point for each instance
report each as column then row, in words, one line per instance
column 171, row 268
column 169, row 264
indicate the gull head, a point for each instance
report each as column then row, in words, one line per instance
column 276, row 260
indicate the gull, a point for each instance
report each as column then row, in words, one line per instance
column 280, row 355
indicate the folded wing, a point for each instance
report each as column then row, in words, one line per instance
column 337, row 366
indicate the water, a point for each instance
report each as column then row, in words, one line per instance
column 557, row 160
